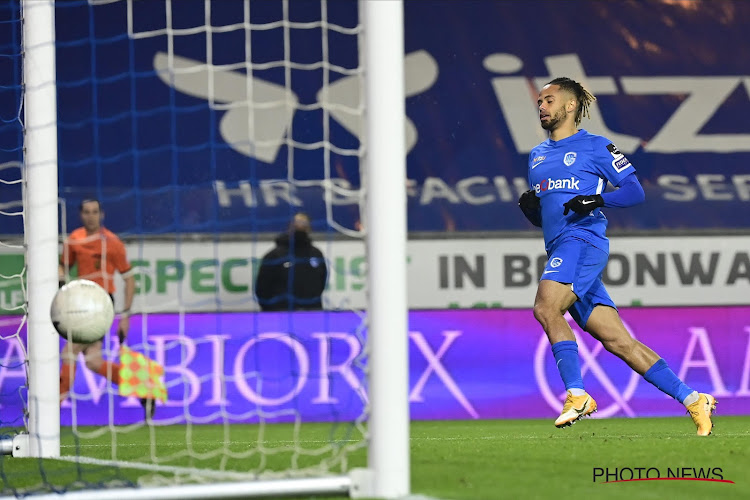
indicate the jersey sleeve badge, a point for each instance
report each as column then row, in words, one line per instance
column 619, row 161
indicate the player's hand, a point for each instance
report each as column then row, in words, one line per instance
column 531, row 207
column 529, row 201
column 123, row 326
column 583, row 204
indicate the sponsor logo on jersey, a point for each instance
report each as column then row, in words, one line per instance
column 570, row 158
column 619, row 162
column 536, row 161
column 550, row 184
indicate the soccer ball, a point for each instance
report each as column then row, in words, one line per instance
column 82, row 312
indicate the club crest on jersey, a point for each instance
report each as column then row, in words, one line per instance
column 570, row 158
column 619, row 162
column 556, row 261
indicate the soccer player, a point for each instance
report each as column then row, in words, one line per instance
column 98, row 253
column 568, row 173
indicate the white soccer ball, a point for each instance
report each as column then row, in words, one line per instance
column 82, row 312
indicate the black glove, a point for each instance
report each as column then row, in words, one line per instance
column 530, row 206
column 583, row 204
column 529, row 201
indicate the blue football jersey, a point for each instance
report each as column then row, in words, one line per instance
column 577, row 165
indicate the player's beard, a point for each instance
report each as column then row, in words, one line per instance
column 555, row 120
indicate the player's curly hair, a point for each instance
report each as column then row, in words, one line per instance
column 583, row 96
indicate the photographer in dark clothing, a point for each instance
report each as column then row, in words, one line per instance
column 292, row 276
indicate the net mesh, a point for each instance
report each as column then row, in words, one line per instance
column 202, row 127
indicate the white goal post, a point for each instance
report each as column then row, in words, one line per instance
column 385, row 224
column 40, row 228
column 387, row 474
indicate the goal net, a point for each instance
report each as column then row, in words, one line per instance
column 203, row 128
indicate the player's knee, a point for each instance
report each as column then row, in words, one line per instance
column 68, row 357
column 538, row 311
column 545, row 314
column 93, row 363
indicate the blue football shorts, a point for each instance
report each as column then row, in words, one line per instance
column 581, row 264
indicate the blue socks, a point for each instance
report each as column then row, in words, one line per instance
column 664, row 379
column 566, row 357
column 659, row 375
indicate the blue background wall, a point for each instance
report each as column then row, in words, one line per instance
column 153, row 153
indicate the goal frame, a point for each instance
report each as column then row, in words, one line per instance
column 387, row 474
column 40, row 229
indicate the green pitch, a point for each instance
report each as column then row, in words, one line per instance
column 472, row 460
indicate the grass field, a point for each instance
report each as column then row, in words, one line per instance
column 474, row 460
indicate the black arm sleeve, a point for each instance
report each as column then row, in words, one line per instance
column 534, row 216
column 531, row 207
